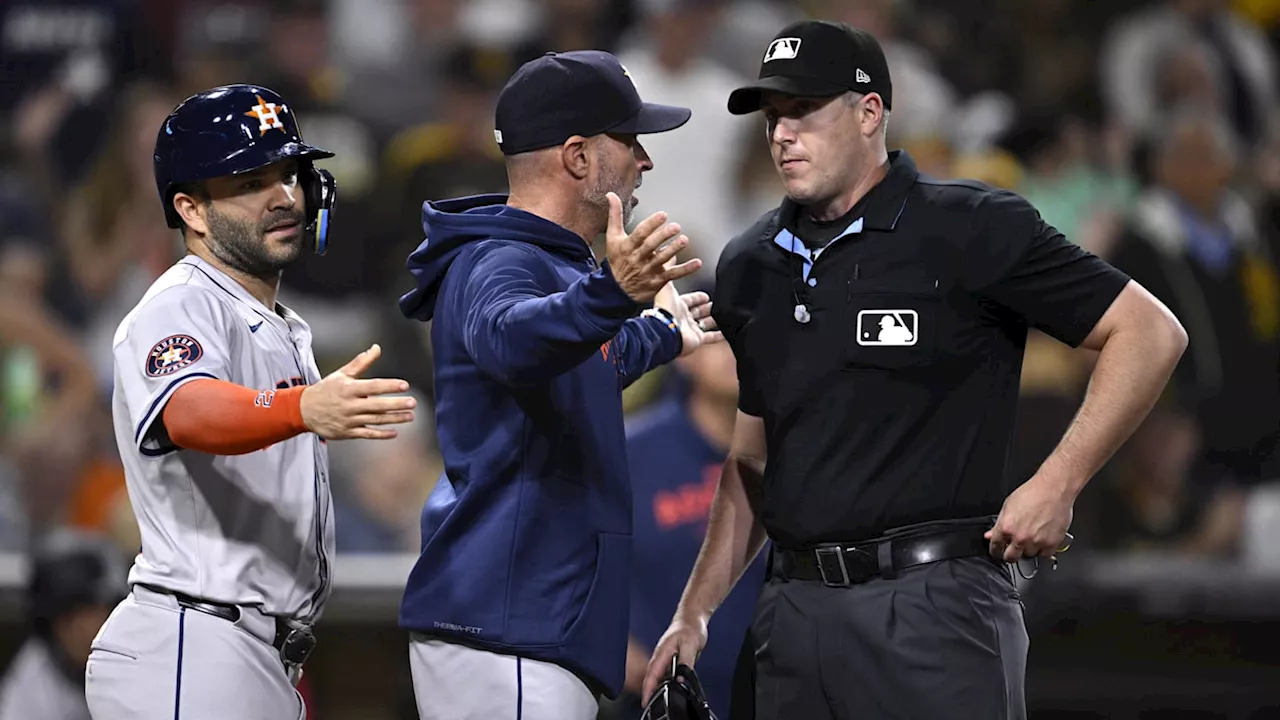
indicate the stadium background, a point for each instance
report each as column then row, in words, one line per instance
column 1133, row 126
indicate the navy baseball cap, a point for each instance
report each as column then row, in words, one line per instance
column 818, row 58
column 585, row 92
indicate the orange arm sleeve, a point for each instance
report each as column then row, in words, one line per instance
column 222, row 418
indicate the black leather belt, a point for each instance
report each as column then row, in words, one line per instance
column 844, row 564
column 294, row 640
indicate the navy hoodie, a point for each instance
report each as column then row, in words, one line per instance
column 526, row 538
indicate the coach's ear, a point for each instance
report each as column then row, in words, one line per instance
column 576, row 157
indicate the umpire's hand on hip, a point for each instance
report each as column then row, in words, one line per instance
column 684, row 639
column 639, row 259
column 1033, row 521
column 343, row 406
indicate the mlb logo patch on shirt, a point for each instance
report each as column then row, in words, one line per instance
column 173, row 354
column 888, row 328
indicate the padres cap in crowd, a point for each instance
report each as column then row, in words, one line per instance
column 818, row 58
column 586, row 92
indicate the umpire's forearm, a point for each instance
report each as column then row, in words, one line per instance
column 734, row 538
column 1132, row 370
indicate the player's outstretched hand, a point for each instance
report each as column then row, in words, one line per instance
column 344, row 406
column 692, row 313
column 639, row 259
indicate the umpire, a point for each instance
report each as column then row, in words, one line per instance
column 878, row 318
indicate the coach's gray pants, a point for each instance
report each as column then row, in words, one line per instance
column 944, row 640
column 153, row 660
column 457, row 682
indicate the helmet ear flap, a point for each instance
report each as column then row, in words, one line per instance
column 321, row 193
column 171, row 216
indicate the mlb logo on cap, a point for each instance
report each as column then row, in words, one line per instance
column 783, row 49
column 888, row 328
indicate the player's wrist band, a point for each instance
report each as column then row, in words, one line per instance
column 663, row 315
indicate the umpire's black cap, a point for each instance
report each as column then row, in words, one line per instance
column 585, row 92
column 818, row 58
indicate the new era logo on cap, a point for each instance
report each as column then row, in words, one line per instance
column 862, row 76
column 783, row 49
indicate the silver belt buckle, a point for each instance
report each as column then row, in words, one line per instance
column 838, row 552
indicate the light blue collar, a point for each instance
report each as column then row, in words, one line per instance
column 792, row 244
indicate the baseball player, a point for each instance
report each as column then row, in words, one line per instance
column 221, row 419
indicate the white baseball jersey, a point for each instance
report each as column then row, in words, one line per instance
column 251, row 529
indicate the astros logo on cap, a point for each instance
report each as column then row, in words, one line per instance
column 267, row 114
column 627, row 73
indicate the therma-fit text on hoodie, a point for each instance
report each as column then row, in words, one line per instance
column 526, row 537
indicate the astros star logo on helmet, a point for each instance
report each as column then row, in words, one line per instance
column 268, row 115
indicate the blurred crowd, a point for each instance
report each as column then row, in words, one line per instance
column 1147, row 131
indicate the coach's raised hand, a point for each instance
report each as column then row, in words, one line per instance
column 343, row 406
column 639, row 259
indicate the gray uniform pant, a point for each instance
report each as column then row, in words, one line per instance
column 943, row 640
column 153, row 660
column 457, row 682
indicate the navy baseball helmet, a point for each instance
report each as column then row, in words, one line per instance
column 236, row 129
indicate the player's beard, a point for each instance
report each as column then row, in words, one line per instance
column 242, row 245
column 610, row 181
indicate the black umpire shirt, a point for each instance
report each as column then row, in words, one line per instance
column 894, row 404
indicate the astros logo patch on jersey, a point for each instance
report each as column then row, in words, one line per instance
column 172, row 354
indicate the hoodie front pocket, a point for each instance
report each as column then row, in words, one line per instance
column 610, row 586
